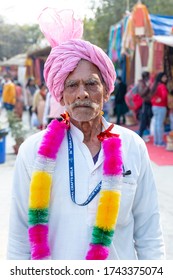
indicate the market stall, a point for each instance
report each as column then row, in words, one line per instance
column 36, row 57
column 141, row 42
column 16, row 66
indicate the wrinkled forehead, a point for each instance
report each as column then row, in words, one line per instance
column 85, row 70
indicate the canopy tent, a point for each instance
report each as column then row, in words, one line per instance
column 16, row 65
column 41, row 48
column 17, row 60
column 166, row 40
column 162, row 29
column 162, row 25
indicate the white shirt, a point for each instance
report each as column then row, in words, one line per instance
column 137, row 235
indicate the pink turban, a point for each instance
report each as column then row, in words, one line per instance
column 63, row 32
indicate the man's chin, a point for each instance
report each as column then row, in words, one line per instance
column 83, row 114
column 84, row 117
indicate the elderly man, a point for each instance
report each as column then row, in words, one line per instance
column 83, row 188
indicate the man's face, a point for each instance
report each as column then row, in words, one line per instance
column 7, row 78
column 84, row 92
column 164, row 79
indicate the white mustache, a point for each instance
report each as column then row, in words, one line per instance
column 86, row 103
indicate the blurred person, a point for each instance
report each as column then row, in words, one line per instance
column 170, row 108
column 30, row 90
column 39, row 102
column 146, row 110
column 107, row 110
column 53, row 110
column 159, row 100
column 120, row 104
column 89, row 183
column 1, row 88
column 19, row 105
column 9, row 93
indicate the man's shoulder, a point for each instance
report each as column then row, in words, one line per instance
column 132, row 144
column 31, row 144
column 128, row 135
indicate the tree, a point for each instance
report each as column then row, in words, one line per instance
column 15, row 39
column 159, row 7
column 108, row 13
column 89, row 30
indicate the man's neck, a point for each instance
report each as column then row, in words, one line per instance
column 90, row 130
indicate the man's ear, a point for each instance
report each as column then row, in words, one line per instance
column 62, row 101
column 105, row 95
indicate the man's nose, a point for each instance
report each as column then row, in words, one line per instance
column 82, row 92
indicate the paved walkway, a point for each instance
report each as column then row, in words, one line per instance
column 163, row 176
column 6, row 174
column 164, row 182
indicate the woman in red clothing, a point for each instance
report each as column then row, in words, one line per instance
column 159, row 102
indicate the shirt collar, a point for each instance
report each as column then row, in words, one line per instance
column 79, row 134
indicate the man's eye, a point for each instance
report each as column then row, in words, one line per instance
column 71, row 85
column 91, row 83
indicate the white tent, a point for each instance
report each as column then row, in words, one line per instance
column 17, row 60
column 166, row 40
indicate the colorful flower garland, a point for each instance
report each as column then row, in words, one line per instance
column 109, row 200
column 40, row 189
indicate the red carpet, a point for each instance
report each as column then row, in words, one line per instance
column 159, row 155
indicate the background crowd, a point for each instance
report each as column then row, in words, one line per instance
column 33, row 98
column 147, row 104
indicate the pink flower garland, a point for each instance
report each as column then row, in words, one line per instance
column 40, row 189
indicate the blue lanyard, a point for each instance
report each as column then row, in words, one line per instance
column 72, row 175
